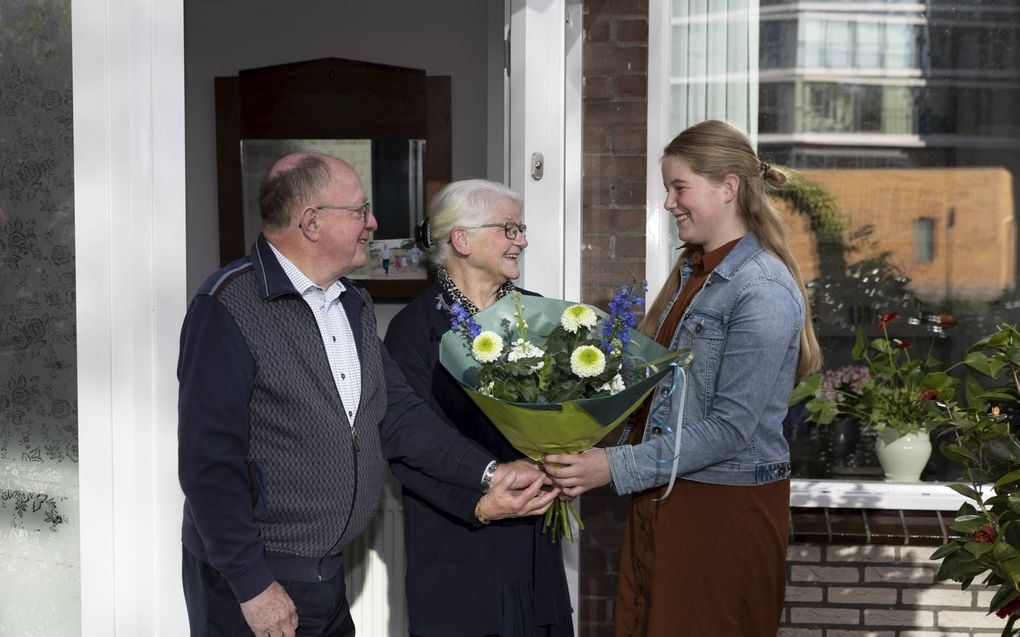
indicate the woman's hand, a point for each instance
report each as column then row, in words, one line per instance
column 506, row 500
column 577, row 473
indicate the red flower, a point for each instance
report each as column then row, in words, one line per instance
column 898, row 344
column 886, row 319
column 1009, row 608
column 986, row 533
column 928, row 394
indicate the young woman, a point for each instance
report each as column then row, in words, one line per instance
column 705, row 543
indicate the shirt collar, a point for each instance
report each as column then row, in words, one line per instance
column 301, row 282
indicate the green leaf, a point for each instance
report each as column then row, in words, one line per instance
column 979, row 363
column 967, row 527
column 977, row 549
column 937, row 381
column 1001, row 598
column 944, row 550
column 1009, row 478
column 966, row 491
column 806, row 388
column 860, row 345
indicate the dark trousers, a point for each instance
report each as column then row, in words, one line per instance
column 213, row 611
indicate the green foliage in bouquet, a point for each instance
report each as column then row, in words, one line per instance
column 986, row 444
column 554, row 377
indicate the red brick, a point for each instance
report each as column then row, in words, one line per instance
column 630, row 86
column 637, row 8
column 604, row 58
column 630, row 247
column 597, row 247
column 629, row 194
column 596, row 138
column 629, row 140
column 619, row 274
column 596, row 87
column 630, row 30
column 615, row 166
column 597, row 192
column 596, row 30
column 624, row 220
column 597, row 113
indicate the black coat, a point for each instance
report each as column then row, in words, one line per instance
column 452, row 581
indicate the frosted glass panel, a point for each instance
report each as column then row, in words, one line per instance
column 39, row 555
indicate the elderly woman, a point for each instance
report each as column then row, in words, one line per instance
column 468, row 571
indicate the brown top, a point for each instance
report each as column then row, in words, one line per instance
column 704, row 263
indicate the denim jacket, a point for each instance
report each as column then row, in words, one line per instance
column 743, row 329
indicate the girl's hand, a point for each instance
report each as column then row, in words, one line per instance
column 577, row 473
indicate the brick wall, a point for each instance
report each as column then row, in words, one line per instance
column 615, row 114
column 878, row 591
column 615, row 106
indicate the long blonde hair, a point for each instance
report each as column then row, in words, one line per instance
column 713, row 150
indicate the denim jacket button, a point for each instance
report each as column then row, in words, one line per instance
column 657, row 431
column 664, row 391
column 700, row 326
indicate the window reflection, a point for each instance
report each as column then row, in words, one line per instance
column 906, row 116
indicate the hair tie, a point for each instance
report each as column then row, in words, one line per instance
column 765, row 170
column 423, row 234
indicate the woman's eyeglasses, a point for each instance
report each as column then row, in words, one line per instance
column 510, row 229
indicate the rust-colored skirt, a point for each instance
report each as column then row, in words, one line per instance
column 708, row 561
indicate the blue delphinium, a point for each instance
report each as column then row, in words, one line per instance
column 616, row 330
column 460, row 319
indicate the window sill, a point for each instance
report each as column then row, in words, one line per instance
column 920, row 496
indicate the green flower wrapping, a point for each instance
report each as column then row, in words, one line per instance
column 572, row 426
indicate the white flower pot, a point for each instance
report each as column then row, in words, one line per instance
column 902, row 457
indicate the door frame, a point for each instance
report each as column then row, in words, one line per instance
column 128, row 79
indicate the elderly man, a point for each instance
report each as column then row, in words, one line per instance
column 288, row 404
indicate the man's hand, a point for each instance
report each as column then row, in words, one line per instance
column 525, row 473
column 505, row 501
column 577, row 473
column 271, row 613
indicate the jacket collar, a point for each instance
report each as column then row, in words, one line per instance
column 744, row 251
column 274, row 282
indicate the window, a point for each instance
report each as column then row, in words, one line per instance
column 924, row 240
column 906, row 115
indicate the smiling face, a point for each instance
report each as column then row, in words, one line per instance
column 493, row 257
column 345, row 233
column 704, row 211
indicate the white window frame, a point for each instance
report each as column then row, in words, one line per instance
column 932, row 496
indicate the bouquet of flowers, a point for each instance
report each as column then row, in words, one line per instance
column 554, row 376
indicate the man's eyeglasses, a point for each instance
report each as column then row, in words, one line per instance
column 365, row 209
column 509, row 228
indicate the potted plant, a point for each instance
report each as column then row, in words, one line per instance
column 987, row 446
column 903, row 398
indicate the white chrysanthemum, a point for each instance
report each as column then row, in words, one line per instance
column 587, row 361
column 577, row 316
column 487, row 347
column 525, row 349
column 614, row 386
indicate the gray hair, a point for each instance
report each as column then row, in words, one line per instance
column 469, row 202
column 283, row 190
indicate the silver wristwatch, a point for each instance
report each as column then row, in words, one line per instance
column 490, row 471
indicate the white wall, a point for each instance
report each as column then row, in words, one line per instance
column 222, row 37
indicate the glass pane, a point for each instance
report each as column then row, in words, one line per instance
column 39, row 526
column 906, row 118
